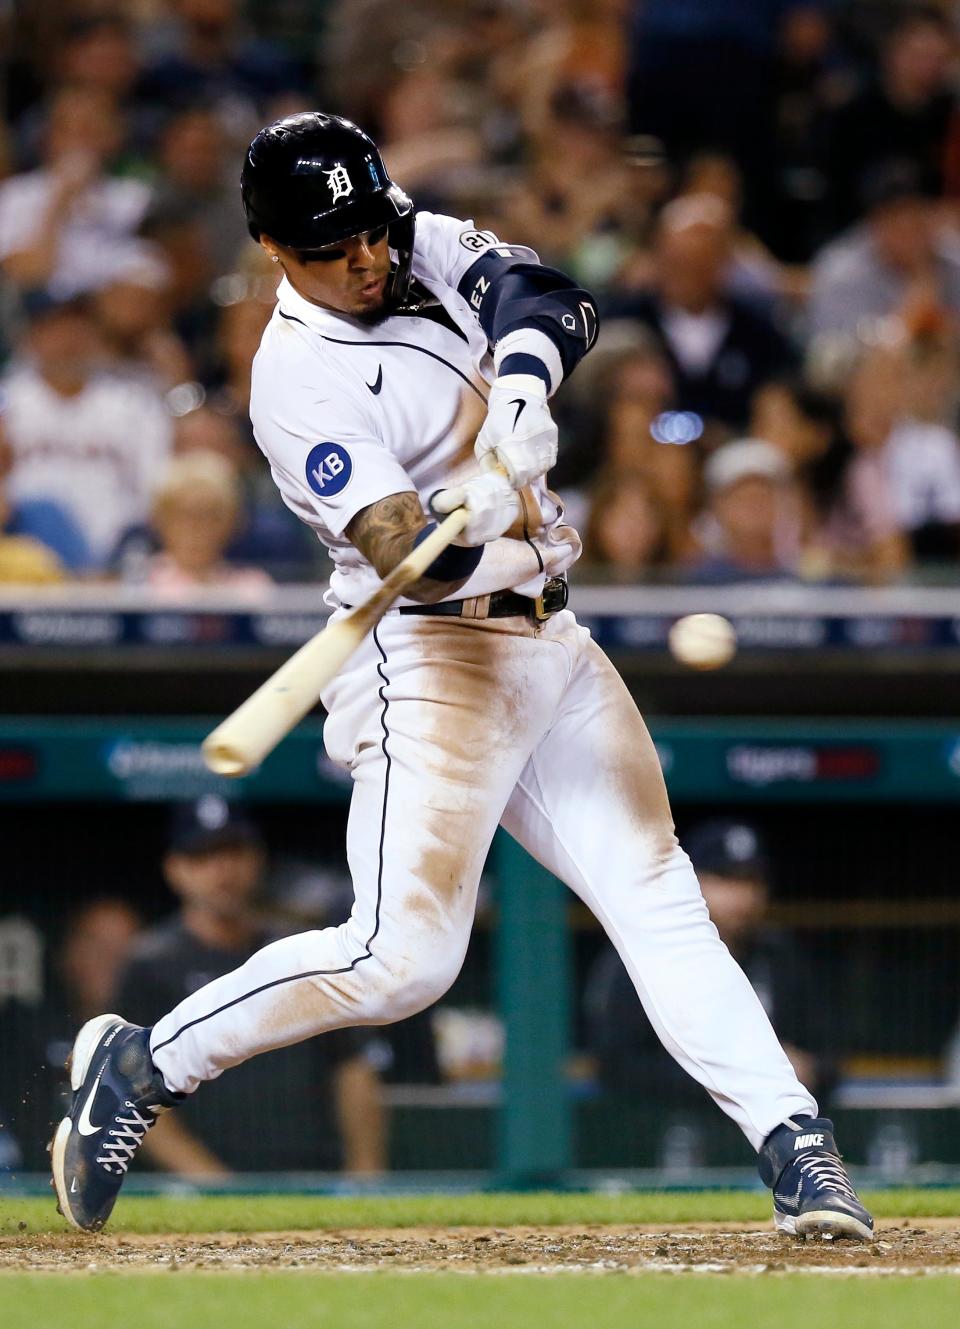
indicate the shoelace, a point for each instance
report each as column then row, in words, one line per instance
column 127, row 1136
column 828, row 1172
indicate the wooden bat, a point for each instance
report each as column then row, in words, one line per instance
column 255, row 728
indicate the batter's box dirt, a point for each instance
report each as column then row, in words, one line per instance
column 902, row 1246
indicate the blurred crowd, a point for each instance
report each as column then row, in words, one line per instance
column 763, row 194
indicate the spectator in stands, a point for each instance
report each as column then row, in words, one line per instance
column 81, row 438
column 362, row 41
column 95, row 51
column 617, row 418
column 369, row 45
column 805, row 424
column 245, row 303
column 923, row 450
column 269, row 534
column 429, row 139
column 266, row 534
column 197, row 170
column 720, row 349
column 905, row 112
column 210, row 56
column 207, row 430
column 132, row 312
column 642, row 431
column 861, row 537
column 30, row 532
column 754, row 272
column 179, row 234
column 314, row 1105
column 35, row 1039
column 750, row 528
column 900, row 256
column 67, row 226
column 196, row 509
column 572, row 44
column 584, row 231
column 796, row 418
column 901, row 489
column 735, row 876
column 630, row 532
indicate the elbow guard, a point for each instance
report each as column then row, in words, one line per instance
column 509, row 295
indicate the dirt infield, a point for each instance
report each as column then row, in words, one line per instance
column 902, row 1247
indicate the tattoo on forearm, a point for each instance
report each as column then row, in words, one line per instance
column 384, row 532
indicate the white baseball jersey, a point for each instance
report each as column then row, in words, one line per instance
column 99, row 454
column 349, row 413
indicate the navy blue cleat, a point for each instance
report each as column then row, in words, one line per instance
column 812, row 1194
column 117, row 1096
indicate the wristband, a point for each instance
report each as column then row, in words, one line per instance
column 455, row 563
column 517, row 362
column 536, row 344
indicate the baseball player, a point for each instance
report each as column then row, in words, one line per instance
column 478, row 701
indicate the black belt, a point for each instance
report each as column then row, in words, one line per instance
column 503, row 604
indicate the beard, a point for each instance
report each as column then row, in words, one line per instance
column 372, row 318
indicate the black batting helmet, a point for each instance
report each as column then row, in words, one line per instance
column 311, row 180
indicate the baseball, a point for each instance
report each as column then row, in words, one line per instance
column 702, row 641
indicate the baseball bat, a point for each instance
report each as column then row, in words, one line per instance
column 255, row 728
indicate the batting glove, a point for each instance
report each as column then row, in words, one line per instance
column 491, row 501
column 519, row 430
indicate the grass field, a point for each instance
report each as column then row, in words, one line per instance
column 277, row 1213
column 447, row 1301
column 567, row 1261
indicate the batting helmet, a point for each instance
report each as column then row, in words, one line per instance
column 311, row 180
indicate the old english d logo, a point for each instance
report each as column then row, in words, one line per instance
column 328, row 469
column 339, row 181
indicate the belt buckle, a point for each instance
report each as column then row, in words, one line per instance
column 551, row 599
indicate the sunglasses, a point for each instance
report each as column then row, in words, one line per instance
column 333, row 253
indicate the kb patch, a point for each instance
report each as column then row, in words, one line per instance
column 329, row 469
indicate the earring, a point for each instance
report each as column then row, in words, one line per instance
column 275, row 257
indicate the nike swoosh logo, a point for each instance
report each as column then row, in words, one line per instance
column 85, row 1126
column 519, row 403
column 378, row 384
column 74, row 1187
column 792, row 1200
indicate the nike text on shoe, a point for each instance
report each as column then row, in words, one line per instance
column 117, row 1096
column 812, row 1194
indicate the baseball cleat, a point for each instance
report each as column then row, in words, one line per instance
column 117, row 1096
column 812, row 1194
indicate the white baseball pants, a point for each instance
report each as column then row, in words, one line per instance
column 449, row 727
